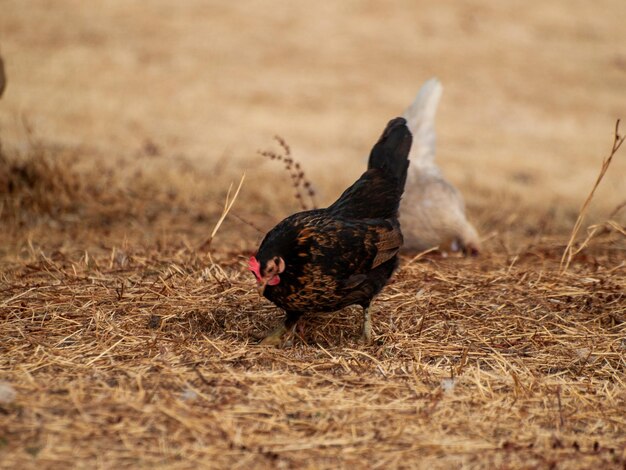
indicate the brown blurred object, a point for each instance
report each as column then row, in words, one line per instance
column 3, row 77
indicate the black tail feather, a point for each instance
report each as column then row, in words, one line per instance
column 392, row 150
column 377, row 194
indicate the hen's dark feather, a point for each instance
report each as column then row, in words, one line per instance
column 377, row 193
column 344, row 254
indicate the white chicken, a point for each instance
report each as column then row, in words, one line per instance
column 432, row 211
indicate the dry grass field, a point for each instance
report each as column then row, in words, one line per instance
column 126, row 342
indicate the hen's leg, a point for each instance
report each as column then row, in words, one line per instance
column 275, row 337
column 367, row 325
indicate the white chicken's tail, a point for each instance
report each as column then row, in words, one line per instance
column 420, row 117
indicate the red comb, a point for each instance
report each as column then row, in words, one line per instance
column 255, row 267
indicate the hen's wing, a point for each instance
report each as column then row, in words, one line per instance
column 360, row 274
column 347, row 247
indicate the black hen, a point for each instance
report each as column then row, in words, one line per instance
column 323, row 260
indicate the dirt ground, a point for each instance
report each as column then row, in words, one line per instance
column 126, row 344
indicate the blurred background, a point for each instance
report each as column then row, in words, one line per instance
column 532, row 89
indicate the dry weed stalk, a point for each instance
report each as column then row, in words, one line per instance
column 299, row 180
column 570, row 252
column 228, row 204
column 603, row 229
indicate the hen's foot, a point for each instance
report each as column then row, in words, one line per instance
column 275, row 337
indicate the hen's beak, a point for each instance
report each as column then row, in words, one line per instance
column 260, row 287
